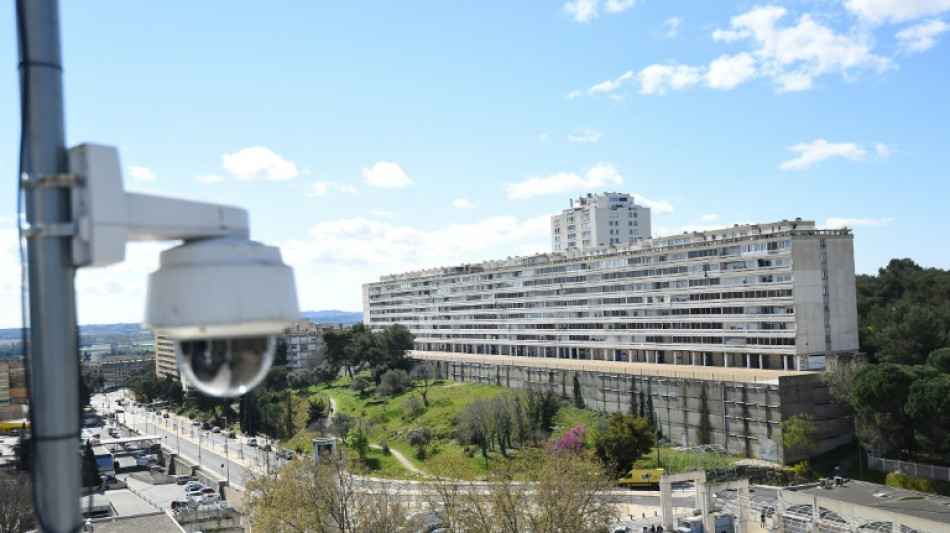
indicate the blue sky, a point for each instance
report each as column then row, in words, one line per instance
column 375, row 138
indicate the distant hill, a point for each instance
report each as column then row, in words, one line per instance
column 333, row 317
column 133, row 329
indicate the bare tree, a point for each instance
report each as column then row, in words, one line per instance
column 326, row 497
column 546, row 492
column 16, row 503
column 425, row 374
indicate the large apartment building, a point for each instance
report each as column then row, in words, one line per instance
column 770, row 296
column 599, row 220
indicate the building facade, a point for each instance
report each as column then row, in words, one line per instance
column 166, row 364
column 304, row 344
column 768, row 296
column 599, row 220
column 116, row 371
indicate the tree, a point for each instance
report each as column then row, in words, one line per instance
column 419, row 438
column 928, row 406
column 800, row 436
column 878, row 395
column 360, row 384
column 939, row 360
column 840, row 376
column 326, row 372
column 90, row 469
column 280, row 352
column 326, row 497
column 393, row 383
column 341, row 425
column 621, row 440
column 16, row 503
column 317, row 410
column 578, row 398
column 476, row 425
column 542, row 492
column 276, row 379
column 425, row 375
column 358, row 439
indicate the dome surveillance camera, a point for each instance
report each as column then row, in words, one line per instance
column 222, row 302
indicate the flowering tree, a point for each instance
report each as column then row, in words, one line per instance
column 574, row 440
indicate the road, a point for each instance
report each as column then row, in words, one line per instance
column 230, row 459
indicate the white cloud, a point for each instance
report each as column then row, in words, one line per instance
column 727, row 72
column 258, row 163
column 882, row 150
column 708, row 218
column 619, row 6
column 657, row 207
column 880, row 11
column 584, row 135
column 461, row 203
column 142, row 173
column 656, row 79
column 838, row 223
column 209, row 178
column 543, row 138
column 360, row 241
column 599, row 176
column 387, row 175
column 381, row 213
column 323, row 188
column 672, row 26
column 819, row 150
column 922, row 36
column 585, row 10
column 795, row 55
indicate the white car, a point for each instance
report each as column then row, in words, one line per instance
column 252, row 442
column 202, row 498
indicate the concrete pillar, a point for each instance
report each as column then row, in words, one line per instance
column 785, row 362
column 761, row 361
column 676, row 356
column 692, row 358
column 725, row 359
column 748, row 360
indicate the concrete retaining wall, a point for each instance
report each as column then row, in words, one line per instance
column 743, row 417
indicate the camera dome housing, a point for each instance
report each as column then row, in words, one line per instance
column 222, row 301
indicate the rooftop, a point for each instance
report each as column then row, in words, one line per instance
column 854, row 494
column 718, row 373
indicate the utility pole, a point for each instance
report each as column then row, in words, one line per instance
column 53, row 351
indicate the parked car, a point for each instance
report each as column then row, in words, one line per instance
column 216, row 429
column 164, row 415
column 199, row 493
column 196, row 423
column 287, row 454
column 182, row 480
column 252, row 442
column 205, row 425
column 156, row 468
column 231, row 435
column 182, row 504
column 205, row 498
column 193, row 486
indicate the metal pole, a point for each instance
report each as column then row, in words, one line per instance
column 53, row 363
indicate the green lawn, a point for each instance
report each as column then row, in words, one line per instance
column 389, row 420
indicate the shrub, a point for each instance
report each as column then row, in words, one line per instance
column 394, row 383
column 412, row 406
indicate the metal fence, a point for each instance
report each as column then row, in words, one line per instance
column 908, row 468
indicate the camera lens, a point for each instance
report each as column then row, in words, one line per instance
column 226, row 366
